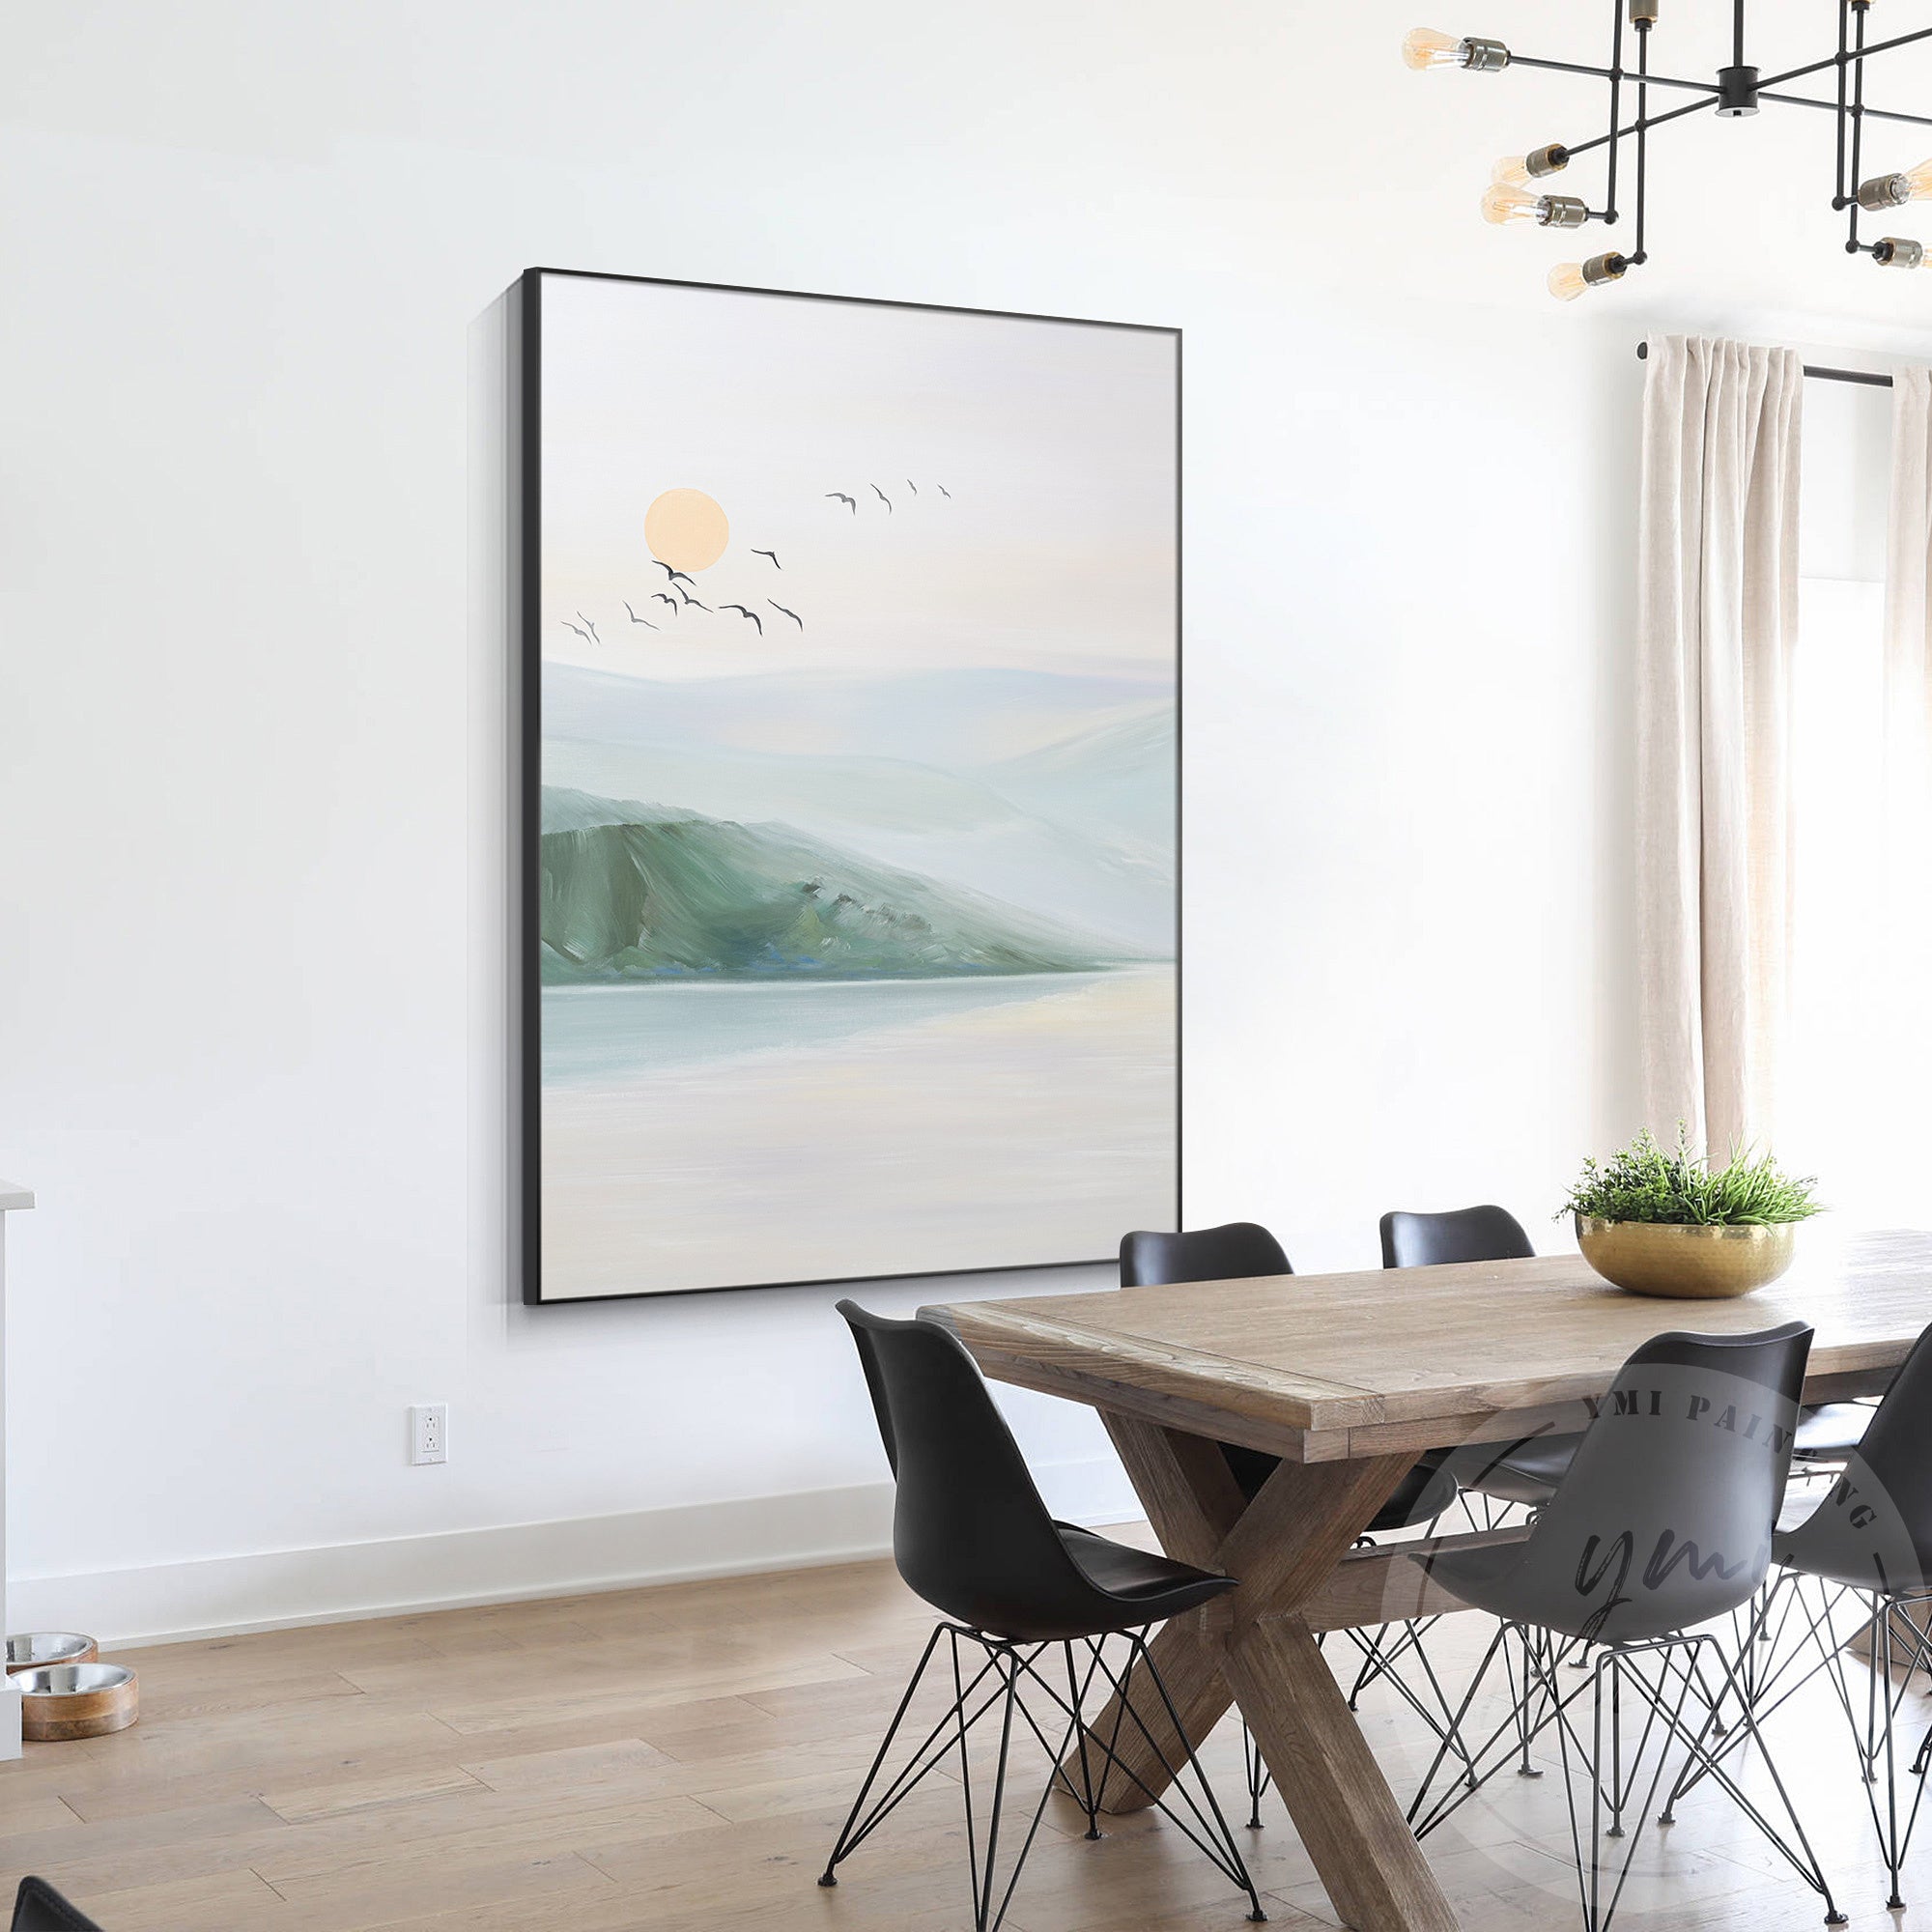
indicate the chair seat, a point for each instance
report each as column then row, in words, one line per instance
column 1523, row 1472
column 1829, row 1429
column 1422, row 1495
column 1146, row 1586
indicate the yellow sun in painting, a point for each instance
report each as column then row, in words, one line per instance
column 686, row 529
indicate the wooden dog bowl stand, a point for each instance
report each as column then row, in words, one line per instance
column 56, row 1717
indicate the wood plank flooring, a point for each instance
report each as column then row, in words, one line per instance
column 680, row 1758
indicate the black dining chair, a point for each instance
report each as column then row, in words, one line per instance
column 1661, row 1523
column 1241, row 1251
column 1038, row 1601
column 1485, row 1233
column 1524, row 1471
column 1867, row 1547
column 39, row 1908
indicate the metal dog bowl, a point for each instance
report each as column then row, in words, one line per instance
column 49, row 1647
column 75, row 1700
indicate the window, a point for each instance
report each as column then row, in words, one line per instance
column 1856, row 1105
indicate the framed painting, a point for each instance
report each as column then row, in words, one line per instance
column 847, row 788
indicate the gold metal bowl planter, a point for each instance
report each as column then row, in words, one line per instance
column 1679, row 1263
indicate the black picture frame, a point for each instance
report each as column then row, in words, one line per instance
column 524, row 791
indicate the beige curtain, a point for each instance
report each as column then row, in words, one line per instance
column 1718, row 622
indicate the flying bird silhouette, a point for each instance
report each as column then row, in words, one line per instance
column 675, row 576
column 850, row 502
column 772, row 555
column 792, row 615
column 690, row 600
column 592, row 628
column 635, row 619
column 664, row 597
column 752, row 615
column 579, row 629
column 912, row 486
column 943, row 491
column 883, row 498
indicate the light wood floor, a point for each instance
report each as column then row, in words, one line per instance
column 680, row 1758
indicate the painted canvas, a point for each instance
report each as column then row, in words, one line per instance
column 848, row 709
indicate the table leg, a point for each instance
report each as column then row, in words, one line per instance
column 1252, row 1645
column 1374, row 1871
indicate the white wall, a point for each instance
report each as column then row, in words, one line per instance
column 249, row 725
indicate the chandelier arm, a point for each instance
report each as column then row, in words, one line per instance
column 1856, row 57
column 1616, row 93
column 1604, row 73
column 1560, row 66
column 1637, row 253
column 1853, row 245
column 1708, row 87
column 1831, row 107
column 1649, row 121
column 1844, row 76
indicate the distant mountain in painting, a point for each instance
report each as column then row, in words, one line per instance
column 1078, row 828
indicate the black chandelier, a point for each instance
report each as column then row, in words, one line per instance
column 1737, row 90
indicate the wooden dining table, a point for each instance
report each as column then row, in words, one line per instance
column 1348, row 1378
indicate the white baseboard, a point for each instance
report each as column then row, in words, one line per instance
column 280, row 1589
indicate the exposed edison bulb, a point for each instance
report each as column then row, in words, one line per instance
column 1423, row 47
column 1569, row 279
column 1520, row 170
column 1503, row 203
column 1921, row 178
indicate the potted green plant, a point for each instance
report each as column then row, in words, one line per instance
column 1676, row 1224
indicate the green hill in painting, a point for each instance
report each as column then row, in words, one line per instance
column 636, row 891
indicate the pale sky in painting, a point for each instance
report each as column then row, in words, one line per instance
column 1055, row 551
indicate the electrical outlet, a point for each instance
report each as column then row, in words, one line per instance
column 429, row 1431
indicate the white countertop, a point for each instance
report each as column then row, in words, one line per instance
column 14, row 1195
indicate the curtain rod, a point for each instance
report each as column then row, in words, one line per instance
column 1864, row 376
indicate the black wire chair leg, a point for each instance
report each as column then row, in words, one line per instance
column 1788, row 1668
column 1422, row 1815
column 1259, row 1777
column 1526, row 1708
column 1088, row 1796
column 1889, row 1835
column 1236, row 1866
column 1372, row 1666
column 1386, row 1659
column 1616, row 1823
column 1808, row 1868
column 1009, row 1664
column 1876, row 1739
column 1803, row 1860
column 848, row 1838
column 1599, row 1765
column 983, row 1889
